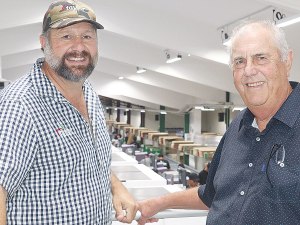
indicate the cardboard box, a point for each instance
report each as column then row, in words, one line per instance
column 162, row 139
column 151, row 136
column 182, row 146
column 110, row 121
column 136, row 130
column 165, row 139
column 131, row 129
column 176, row 143
column 143, row 133
column 120, row 126
column 204, row 151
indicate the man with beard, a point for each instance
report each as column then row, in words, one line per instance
column 55, row 150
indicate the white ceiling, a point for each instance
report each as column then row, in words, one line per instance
column 137, row 32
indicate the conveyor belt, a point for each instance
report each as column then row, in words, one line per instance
column 140, row 194
column 124, row 176
column 115, row 157
column 118, row 169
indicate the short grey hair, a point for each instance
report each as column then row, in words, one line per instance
column 279, row 37
column 46, row 35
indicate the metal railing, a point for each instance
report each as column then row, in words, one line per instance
column 170, row 213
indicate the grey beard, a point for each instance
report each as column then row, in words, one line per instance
column 60, row 67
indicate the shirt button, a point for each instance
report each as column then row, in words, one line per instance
column 242, row 193
column 250, row 164
column 258, row 139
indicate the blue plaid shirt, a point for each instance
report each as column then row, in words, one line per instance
column 254, row 177
column 50, row 165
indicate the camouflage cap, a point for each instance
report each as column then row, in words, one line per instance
column 66, row 12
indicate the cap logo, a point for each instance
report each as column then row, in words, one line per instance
column 68, row 7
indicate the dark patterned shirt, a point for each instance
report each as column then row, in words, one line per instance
column 254, row 177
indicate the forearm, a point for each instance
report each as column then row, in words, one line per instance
column 188, row 199
column 116, row 185
column 122, row 200
column 3, row 196
column 179, row 200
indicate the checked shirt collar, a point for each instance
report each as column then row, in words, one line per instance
column 45, row 88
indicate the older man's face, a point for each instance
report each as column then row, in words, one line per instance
column 259, row 75
column 73, row 51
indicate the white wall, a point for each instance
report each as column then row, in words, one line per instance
column 195, row 122
column 174, row 121
column 210, row 121
column 150, row 122
column 135, row 119
column 211, row 124
column 171, row 121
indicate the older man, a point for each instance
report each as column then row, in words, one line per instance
column 254, row 177
column 55, row 150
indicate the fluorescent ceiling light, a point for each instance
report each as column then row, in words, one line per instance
column 140, row 70
column 288, row 21
column 238, row 108
column 127, row 110
column 163, row 112
column 203, row 109
column 143, row 111
column 174, row 59
column 121, row 78
column 116, row 108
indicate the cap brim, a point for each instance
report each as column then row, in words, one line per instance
column 69, row 21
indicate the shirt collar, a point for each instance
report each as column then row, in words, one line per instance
column 247, row 119
column 290, row 109
column 45, row 88
column 42, row 84
column 288, row 112
column 254, row 124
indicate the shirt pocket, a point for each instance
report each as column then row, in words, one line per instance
column 285, row 180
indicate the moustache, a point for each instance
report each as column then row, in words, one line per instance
column 83, row 54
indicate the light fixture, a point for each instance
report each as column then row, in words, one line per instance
column 189, row 55
column 227, row 42
column 121, row 78
column 288, row 21
column 127, row 110
column 238, row 108
column 107, row 108
column 116, row 108
column 140, row 70
column 143, row 111
column 172, row 59
column 163, row 112
column 204, row 109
